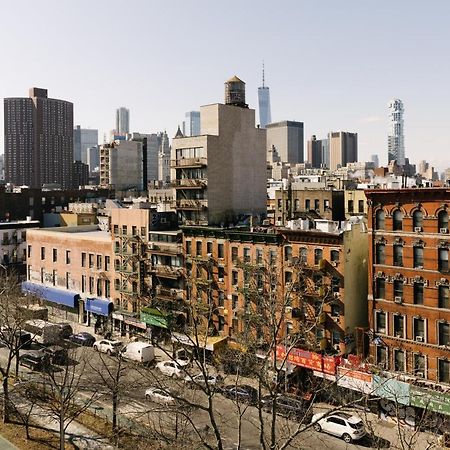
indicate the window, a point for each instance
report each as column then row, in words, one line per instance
column 380, row 322
column 91, row 261
column 221, row 273
column 91, row 285
column 99, row 262
column 107, row 262
column 288, row 253
column 117, row 264
column 303, row 255
column 55, row 277
column 188, row 247
column 259, row 256
column 397, row 220
column 443, row 221
column 288, row 277
column 418, row 293
column 221, row 323
column 316, row 204
column 417, row 220
column 234, row 254
column 380, row 254
column 419, row 365
column 418, row 257
column 326, row 204
column 42, row 253
column 220, row 251
column 318, row 256
column 107, row 288
column 398, row 255
column 399, row 326
column 307, row 204
column 209, row 248
column 382, row 356
column 419, row 329
column 116, row 229
column 335, row 310
column 296, row 204
column 350, row 206
column 99, row 287
column 124, row 229
column 443, row 297
column 379, row 220
column 234, row 301
column 380, row 286
column 234, row 277
column 334, row 255
column 399, row 360
column 398, row 289
column 83, row 283
column 335, row 284
column 116, row 284
column 143, row 231
column 444, row 370
column 67, row 256
column 198, row 248
column 272, row 256
column 444, row 333
column 221, row 298
column 443, row 259
column 360, row 206
column 29, row 251
column 246, row 254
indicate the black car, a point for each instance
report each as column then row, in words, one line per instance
column 241, row 393
column 66, row 330
column 35, row 360
column 83, row 338
column 290, row 407
column 56, row 354
column 22, row 338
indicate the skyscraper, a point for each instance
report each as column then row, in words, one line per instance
column 122, row 120
column 287, row 138
column 396, row 140
column 264, row 104
column 83, row 139
column 191, row 124
column 38, row 140
column 343, row 148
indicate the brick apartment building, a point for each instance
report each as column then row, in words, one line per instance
column 409, row 280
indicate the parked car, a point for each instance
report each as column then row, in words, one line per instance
column 139, row 351
column 35, row 360
column 57, row 355
column 158, row 395
column 107, row 346
column 182, row 357
column 241, row 393
column 170, row 368
column 199, row 380
column 66, row 330
column 291, row 407
column 22, row 338
column 349, row 428
column 82, row 338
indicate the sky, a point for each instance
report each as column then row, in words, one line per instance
column 333, row 65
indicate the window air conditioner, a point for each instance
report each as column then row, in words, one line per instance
column 443, row 230
column 420, row 374
column 419, row 338
column 417, row 229
column 398, row 300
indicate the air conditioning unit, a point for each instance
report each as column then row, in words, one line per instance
column 443, row 230
column 209, row 255
column 336, row 347
column 425, row 282
column 419, row 338
column 220, row 279
column 336, row 294
column 417, row 229
column 246, row 285
column 288, row 310
column 334, row 263
column 336, row 319
column 398, row 300
column 399, row 335
column 420, row 374
column 173, row 292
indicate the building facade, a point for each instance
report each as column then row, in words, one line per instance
column 122, row 120
column 343, row 148
column 83, row 140
column 38, row 140
column 287, row 138
column 191, row 123
column 396, row 138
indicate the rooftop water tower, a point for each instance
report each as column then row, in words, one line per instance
column 235, row 92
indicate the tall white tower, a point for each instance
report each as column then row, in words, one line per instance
column 122, row 120
column 264, row 104
column 396, row 139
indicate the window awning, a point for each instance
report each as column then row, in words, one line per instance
column 153, row 317
column 210, row 343
column 99, row 306
column 51, row 294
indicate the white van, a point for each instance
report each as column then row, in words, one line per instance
column 139, row 351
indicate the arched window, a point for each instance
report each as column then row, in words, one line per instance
column 397, row 220
column 417, row 220
column 379, row 219
column 443, row 221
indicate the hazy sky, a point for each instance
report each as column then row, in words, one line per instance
column 332, row 64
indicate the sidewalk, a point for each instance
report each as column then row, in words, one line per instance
column 6, row 445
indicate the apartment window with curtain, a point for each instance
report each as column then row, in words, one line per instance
column 380, row 253
column 417, row 220
column 379, row 220
column 398, row 255
column 246, row 254
column 443, row 259
column 398, row 289
column 303, row 255
column 419, row 329
column 259, row 256
column 443, row 297
column 288, row 253
column 380, row 288
column 397, row 220
column 418, row 293
column 418, row 257
column 399, row 326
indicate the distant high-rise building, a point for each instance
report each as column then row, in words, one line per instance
column 265, row 116
column 84, row 138
column 38, row 140
column 93, row 158
column 152, row 152
column 287, row 138
column 396, row 139
column 318, row 153
column 343, row 148
column 164, row 158
column 375, row 160
column 191, row 124
column 122, row 120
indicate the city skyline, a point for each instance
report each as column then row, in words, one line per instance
column 160, row 98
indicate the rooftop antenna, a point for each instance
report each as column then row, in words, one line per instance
column 263, row 73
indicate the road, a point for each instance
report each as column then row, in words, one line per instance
column 134, row 409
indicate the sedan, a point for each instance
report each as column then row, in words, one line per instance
column 349, row 428
column 107, row 346
column 170, row 368
column 82, row 338
column 199, row 380
column 158, row 395
column 241, row 393
column 287, row 406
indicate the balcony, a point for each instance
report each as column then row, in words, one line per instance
column 189, row 162
column 167, row 271
column 190, row 183
column 169, row 293
column 165, row 248
column 191, row 204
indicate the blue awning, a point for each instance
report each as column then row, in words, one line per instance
column 51, row 294
column 99, row 306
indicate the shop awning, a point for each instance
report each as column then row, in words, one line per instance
column 99, row 306
column 210, row 343
column 51, row 294
column 153, row 317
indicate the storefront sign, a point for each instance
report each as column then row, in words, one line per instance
column 431, row 400
column 391, row 389
column 329, row 364
column 299, row 357
column 355, row 380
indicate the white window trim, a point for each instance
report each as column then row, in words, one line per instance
column 404, row 324
column 379, row 311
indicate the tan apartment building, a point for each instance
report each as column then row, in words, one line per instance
column 343, row 148
column 220, row 176
column 355, row 203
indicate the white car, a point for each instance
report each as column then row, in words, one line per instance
column 170, row 368
column 199, row 379
column 158, row 395
column 107, row 346
column 349, row 428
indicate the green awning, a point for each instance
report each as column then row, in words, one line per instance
column 153, row 317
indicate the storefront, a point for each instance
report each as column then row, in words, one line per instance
column 156, row 322
column 204, row 346
column 99, row 314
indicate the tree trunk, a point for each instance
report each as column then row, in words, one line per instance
column 5, row 400
column 62, row 440
column 114, row 412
